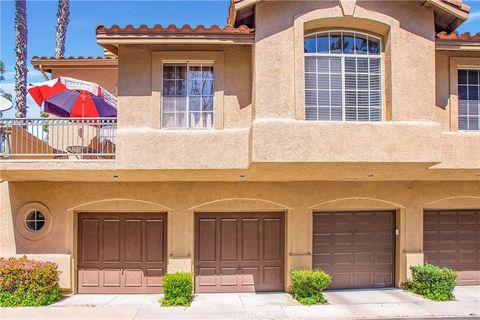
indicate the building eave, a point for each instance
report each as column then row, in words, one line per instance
column 49, row 63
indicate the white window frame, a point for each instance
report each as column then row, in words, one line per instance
column 460, row 68
column 342, row 56
column 188, row 63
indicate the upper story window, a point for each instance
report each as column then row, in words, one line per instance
column 468, row 99
column 343, row 77
column 188, row 90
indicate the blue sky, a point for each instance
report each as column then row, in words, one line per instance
column 85, row 15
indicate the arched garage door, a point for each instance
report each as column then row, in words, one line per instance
column 121, row 252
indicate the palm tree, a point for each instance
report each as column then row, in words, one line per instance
column 63, row 18
column 21, row 58
column 4, row 94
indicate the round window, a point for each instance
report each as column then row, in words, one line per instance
column 35, row 220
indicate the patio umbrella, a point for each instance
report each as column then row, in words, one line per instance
column 73, row 98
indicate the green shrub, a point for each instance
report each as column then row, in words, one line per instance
column 25, row 282
column 177, row 289
column 433, row 282
column 308, row 285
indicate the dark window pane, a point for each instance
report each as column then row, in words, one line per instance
column 39, row 225
column 181, row 89
column 169, row 87
column 462, row 76
column 463, row 92
column 335, row 42
column 31, row 225
column 310, row 45
column 473, row 76
column 373, row 46
column 472, row 93
column 39, row 215
column 322, row 44
column 168, row 72
column 348, row 43
column 181, row 72
column 360, row 44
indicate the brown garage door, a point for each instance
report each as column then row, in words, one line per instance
column 452, row 239
column 121, row 252
column 239, row 252
column 355, row 248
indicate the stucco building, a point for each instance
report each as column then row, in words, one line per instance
column 341, row 135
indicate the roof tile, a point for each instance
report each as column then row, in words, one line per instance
column 159, row 29
column 455, row 36
column 75, row 58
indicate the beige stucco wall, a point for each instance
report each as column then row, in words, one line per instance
column 181, row 199
column 259, row 96
column 106, row 77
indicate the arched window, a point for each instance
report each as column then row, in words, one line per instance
column 342, row 76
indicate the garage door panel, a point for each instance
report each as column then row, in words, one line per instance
column 322, row 239
column 250, row 255
column 228, row 240
column 384, row 238
column 451, row 239
column 250, row 239
column 383, row 258
column 133, row 277
column 111, row 240
column 360, row 251
column 363, row 258
column 272, row 275
column 272, row 239
column 364, row 238
column 111, row 277
column 207, row 232
column 90, row 277
column 89, row 238
column 228, row 277
column 133, row 241
column 340, row 259
column 154, row 277
column 155, row 245
column 468, row 218
column 362, row 279
column 133, row 247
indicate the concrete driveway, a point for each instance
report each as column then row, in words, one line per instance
column 368, row 304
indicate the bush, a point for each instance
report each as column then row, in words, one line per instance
column 433, row 282
column 25, row 282
column 177, row 289
column 307, row 286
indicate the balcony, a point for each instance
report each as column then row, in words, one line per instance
column 58, row 138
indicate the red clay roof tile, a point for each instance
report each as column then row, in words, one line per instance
column 455, row 36
column 75, row 58
column 159, row 29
